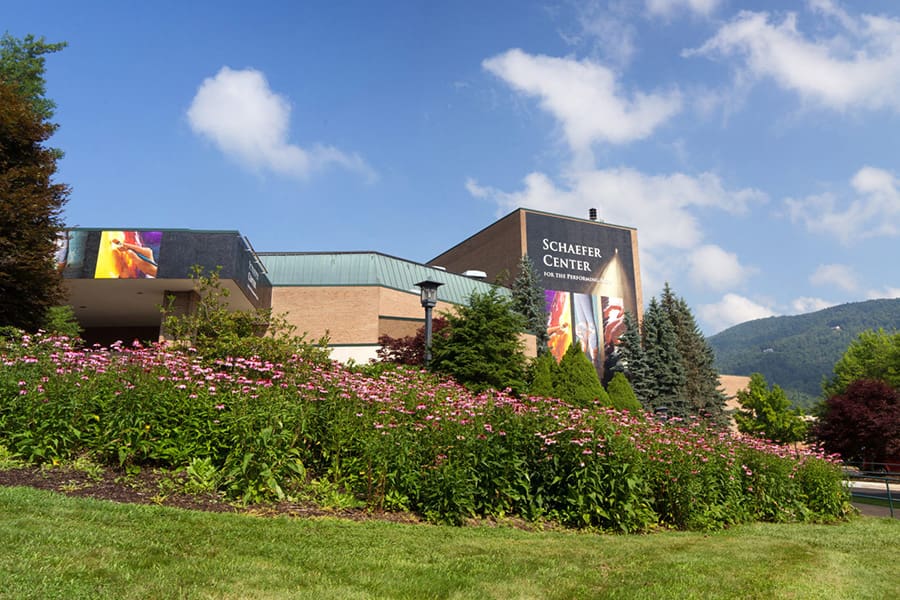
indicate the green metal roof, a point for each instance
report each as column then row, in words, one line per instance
column 367, row 269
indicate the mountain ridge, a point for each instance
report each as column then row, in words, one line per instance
column 798, row 352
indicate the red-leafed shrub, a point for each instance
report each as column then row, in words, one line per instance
column 409, row 350
column 863, row 423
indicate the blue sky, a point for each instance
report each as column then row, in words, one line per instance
column 754, row 145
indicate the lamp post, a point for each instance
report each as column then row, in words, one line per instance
column 428, row 290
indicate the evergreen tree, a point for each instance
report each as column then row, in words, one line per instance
column 664, row 362
column 577, row 380
column 629, row 359
column 621, row 396
column 481, row 346
column 544, row 373
column 528, row 300
column 701, row 382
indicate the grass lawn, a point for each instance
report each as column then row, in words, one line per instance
column 57, row 547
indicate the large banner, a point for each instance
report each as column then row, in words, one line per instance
column 128, row 255
column 588, row 274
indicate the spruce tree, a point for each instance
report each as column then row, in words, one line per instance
column 629, row 359
column 701, row 384
column 664, row 362
column 528, row 300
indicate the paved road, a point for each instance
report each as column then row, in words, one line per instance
column 872, row 510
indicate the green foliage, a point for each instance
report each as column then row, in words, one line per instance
column 61, row 320
column 629, row 359
column 873, row 355
column 528, row 300
column 218, row 332
column 544, row 372
column 481, row 347
column 395, row 438
column 576, row 380
column 22, row 67
column 664, row 364
column 621, row 396
column 701, row 379
column 799, row 352
column 767, row 413
column 30, row 210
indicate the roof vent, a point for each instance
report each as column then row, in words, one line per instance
column 473, row 274
column 592, row 214
column 438, row 267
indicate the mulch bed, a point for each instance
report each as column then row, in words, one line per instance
column 145, row 488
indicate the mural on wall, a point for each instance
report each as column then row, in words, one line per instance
column 128, row 255
column 70, row 252
column 588, row 272
column 559, row 322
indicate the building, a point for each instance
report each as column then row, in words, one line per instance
column 589, row 270
column 119, row 280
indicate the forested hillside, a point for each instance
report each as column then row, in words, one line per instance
column 798, row 352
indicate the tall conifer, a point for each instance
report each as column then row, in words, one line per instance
column 528, row 300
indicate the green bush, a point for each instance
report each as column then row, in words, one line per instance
column 393, row 439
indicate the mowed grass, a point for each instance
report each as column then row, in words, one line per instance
column 52, row 546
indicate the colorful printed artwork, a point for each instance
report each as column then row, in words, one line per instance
column 559, row 322
column 128, row 255
column 586, row 326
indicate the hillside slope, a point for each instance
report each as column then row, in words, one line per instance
column 798, row 352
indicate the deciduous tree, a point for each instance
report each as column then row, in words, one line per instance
column 873, row 355
column 30, row 201
column 767, row 413
column 862, row 424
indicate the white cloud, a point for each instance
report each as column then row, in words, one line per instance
column 806, row 304
column 585, row 98
column 660, row 206
column 666, row 8
column 731, row 310
column 247, row 121
column 888, row 292
column 874, row 212
column 857, row 67
column 835, row 275
column 714, row 268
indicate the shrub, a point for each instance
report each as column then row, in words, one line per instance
column 393, row 439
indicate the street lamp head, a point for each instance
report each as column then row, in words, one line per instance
column 429, row 292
